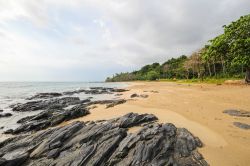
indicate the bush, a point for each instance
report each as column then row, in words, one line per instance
column 153, row 75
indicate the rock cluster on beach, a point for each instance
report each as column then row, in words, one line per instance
column 95, row 91
column 47, row 119
column 53, row 116
column 92, row 90
column 105, row 143
column 39, row 141
column 239, row 113
column 54, row 112
column 136, row 95
column 242, row 125
column 57, row 103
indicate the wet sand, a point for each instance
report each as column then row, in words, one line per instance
column 197, row 107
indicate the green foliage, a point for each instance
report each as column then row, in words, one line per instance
column 237, row 36
column 227, row 55
column 232, row 47
column 152, row 75
column 174, row 68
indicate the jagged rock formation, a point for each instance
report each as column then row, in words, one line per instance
column 105, row 143
column 54, row 112
column 47, row 119
column 58, row 103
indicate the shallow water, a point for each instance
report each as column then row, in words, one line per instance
column 17, row 92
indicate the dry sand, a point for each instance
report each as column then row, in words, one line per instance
column 195, row 107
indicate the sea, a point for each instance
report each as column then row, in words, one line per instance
column 16, row 92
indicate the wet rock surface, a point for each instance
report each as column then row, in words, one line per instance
column 105, row 143
column 242, row 125
column 239, row 113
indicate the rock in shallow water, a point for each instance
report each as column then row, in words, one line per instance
column 44, row 95
column 105, row 143
column 5, row 115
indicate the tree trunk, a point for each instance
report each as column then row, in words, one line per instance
column 214, row 68
column 199, row 71
column 247, row 78
column 187, row 74
column 209, row 70
column 222, row 64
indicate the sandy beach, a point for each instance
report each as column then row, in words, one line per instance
column 197, row 107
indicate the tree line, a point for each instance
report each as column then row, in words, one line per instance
column 225, row 56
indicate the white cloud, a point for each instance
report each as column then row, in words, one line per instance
column 41, row 40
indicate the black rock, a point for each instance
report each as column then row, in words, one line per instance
column 48, row 118
column 1, row 110
column 95, row 91
column 105, row 143
column 54, row 112
column 73, row 92
column 109, row 103
column 242, row 125
column 136, row 95
column 5, row 115
column 240, row 113
column 58, row 103
column 119, row 90
column 44, row 96
column 115, row 102
column 133, row 119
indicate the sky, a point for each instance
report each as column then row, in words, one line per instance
column 88, row 40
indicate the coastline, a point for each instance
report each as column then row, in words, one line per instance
column 196, row 107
